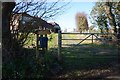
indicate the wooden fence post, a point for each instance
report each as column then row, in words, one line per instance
column 37, row 51
column 92, row 38
column 59, row 44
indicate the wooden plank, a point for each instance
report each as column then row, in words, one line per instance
column 79, row 39
column 43, row 32
column 59, row 43
column 89, row 33
column 37, row 45
column 84, row 39
column 92, row 38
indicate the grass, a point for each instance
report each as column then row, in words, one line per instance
column 53, row 40
column 87, row 57
column 83, row 59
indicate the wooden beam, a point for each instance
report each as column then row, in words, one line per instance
column 37, row 45
column 43, row 32
column 79, row 39
column 59, row 44
column 88, row 33
column 84, row 39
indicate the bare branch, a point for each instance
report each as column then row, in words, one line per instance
column 41, row 9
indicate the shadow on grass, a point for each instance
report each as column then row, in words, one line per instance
column 89, row 60
column 88, row 57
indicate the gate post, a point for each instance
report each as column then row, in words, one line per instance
column 92, row 38
column 59, row 44
column 37, row 42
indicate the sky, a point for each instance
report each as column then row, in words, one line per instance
column 67, row 19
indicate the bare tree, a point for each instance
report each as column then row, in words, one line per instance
column 29, row 15
column 32, row 15
column 42, row 8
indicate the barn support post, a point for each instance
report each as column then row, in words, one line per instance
column 37, row 45
column 59, row 44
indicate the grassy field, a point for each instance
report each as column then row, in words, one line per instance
column 83, row 60
column 88, row 60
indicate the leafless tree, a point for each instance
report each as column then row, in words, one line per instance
column 36, row 13
column 42, row 8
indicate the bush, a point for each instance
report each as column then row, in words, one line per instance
column 27, row 66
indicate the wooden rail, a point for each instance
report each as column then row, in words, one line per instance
column 90, row 33
column 79, row 39
column 94, row 36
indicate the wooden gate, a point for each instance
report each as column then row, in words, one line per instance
column 67, row 38
column 64, row 38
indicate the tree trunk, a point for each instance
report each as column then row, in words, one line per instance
column 6, row 16
column 7, row 41
column 111, row 16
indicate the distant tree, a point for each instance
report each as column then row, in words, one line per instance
column 91, row 28
column 99, row 17
column 81, row 21
column 65, row 30
column 74, row 29
column 106, row 13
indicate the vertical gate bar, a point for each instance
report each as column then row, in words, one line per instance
column 59, row 44
column 92, row 38
column 37, row 37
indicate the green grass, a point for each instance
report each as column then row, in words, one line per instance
column 81, row 57
column 53, row 40
column 85, row 57
column 88, row 57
